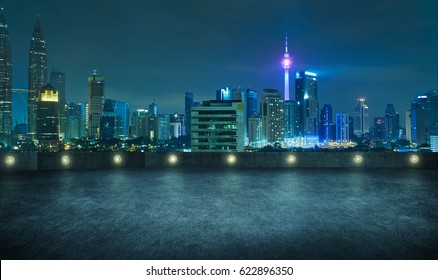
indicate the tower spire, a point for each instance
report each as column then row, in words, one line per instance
column 286, row 52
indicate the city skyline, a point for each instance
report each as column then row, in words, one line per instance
column 349, row 65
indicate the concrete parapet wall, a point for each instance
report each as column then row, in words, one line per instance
column 105, row 160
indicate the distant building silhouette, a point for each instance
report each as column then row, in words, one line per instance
column 96, row 96
column 361, row 118
column 48, row 119
column 272, row 113
column 5, row 83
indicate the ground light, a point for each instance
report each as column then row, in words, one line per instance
column 231, row 159
column 10, row 160
column 117, row 159
column 358, row 159
column 414, row 159
column 173, row 159
column 65, row 160
column 291, row 159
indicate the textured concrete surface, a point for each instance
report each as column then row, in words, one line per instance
column 220, row 214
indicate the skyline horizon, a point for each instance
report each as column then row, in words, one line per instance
column 330, row 77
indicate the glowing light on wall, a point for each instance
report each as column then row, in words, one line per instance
column 173, row 159
column 65, row 160
column 414, row 159
column 117, row 159
column 231, row 159
column 291, row 159
column 358, row 159
column 10, row 160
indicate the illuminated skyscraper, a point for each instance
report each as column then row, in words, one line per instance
column 326, row 119
column 57, row 79
column 420, row 119
column 306, row 96
column 48, row 119
column 95, row 102
column 272, row 113
column 342, row 129
column 5, row 82
column 361, row 118
column 286, row 62
column 391, row 122
column 37, row 73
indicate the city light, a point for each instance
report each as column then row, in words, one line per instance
column 358, row 159
column 291, row 159
column 414, row 159
column 231, row 159
column 310, row 74
column 10, row 160
column 117, row 159
column 65, row 160
column 173, row 159
column 286, row 63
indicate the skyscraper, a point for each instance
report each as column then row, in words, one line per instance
column 95, row 102
column 5, row 82
column 306, row 96
column 291, row 109
column 153, row 109
column 48, row 119
column 37, row 73
column 420, row 120
column 342, row 128
column 286, row 62
column 361, row 118
column 57, row 79
column 325, row 131
column 379, row 128
column 392, row 125
column 188, row 98
column 272, row 113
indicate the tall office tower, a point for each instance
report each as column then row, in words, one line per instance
column 120, row 110
column 361, row 118
column 150, row 124
column 188, row 98
column 392, row 123
column 306, row 96
column 251, row 107
column 176, row 122
column 153, row 109
column 73, row 117
column 342, row 128
column 136, row 122
column 286, row 62
column 5, row 83
column 239, row 94
column 48, row 119
column 291, row 111
column 379, row 128
column 420, row 120
column 37, row 73
column 218, row 126
column 164, row 127
column 96, row 97
column 83, row 121
column 223, row 94
column 408, row 125
column 272, row 113
column 254, row 131
column 57, row 79
column 326, row 123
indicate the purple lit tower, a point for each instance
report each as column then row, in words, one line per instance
column 286, row 62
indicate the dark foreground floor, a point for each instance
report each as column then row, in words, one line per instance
column 220, row 214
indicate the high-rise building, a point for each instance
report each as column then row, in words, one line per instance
column 176, row 124
column 96, row 97
column 153, row 109
column 254, row 131
column 218, row 125
column 223, row 94
column 379, row 128
column 272, row 113
column 150, row 124
column 342, row 128
column 5, row 83
column 392, row 123
column 37, row 73
column 136, row 122
column 434, row 121
column 326, row 124
column 420, row 120
column 74, row 121
column 119, row 109
column 408, row 123
column 57, row 79
column 291, row 126
column 48, row 119
column 164, row 127
column 188, row 98
column 286, row 62
column 361, row 118
column 306, row 96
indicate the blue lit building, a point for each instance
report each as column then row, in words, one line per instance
column 326, row 124
column 306, row 96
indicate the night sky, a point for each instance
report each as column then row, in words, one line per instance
column 385, row 51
